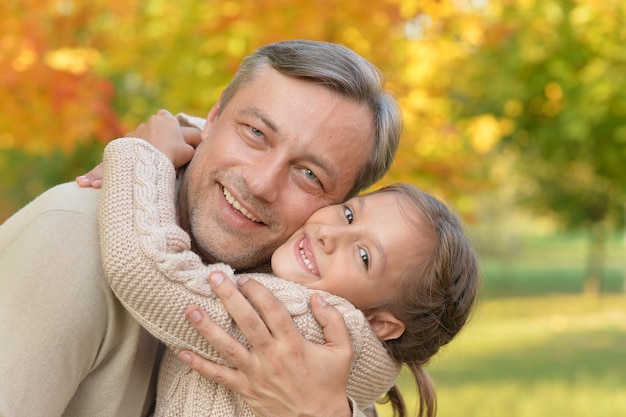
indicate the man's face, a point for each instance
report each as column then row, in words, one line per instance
column 279, row 150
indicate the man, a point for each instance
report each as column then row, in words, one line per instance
column 302, row 125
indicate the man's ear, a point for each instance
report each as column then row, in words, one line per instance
column 211, row 118
column 385, row 325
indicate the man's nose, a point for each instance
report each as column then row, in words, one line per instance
column 266, row 178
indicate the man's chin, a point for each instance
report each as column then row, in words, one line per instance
column 238, row 259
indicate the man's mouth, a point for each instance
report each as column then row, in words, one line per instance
column 310, row 265
column 237, row 205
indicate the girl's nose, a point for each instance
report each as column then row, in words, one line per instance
column 329, row 236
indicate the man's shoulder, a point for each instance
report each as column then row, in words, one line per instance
column 64, row 213
column 67, row 198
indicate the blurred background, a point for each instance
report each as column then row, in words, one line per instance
column 515, row 113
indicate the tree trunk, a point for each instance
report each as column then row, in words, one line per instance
column 594, row 279
column 624, row 249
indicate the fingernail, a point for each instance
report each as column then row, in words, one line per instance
column 216, row 278
column 185, row 357
column 242, row 280
column 320, row 300
column 195, row 316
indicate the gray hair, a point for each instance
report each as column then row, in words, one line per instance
column 344, row 72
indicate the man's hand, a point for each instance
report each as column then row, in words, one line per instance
column 283, row 374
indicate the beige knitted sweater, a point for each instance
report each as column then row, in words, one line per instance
column 150, row 267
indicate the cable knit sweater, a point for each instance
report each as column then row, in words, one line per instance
column 150, row 267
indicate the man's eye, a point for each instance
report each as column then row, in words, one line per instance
column 347, row 211
column 364, row 256
column 255, row 131
column 309, row 174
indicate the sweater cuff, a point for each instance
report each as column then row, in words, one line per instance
column 369, row 411
column 186, row 120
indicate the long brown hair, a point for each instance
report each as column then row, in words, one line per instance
column 435, row 296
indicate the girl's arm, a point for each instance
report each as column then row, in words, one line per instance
column 145, row 255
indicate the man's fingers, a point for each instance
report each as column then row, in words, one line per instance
column 221, row 374
column 281, row 374
column 332, row 322
column 229, row 348
column 238, row 307
column 274, row 315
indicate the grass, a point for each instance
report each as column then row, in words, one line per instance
column 536, row 346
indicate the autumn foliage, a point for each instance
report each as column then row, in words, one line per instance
column 76, row 74
column 52, row 96
column 526, row 97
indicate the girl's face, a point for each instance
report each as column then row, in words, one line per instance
column 357, row 250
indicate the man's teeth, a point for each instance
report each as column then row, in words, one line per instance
column 305, row 259
column 237, row 206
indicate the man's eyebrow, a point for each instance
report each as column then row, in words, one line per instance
column 382, row 258
column 252, row 111
column 329, row 169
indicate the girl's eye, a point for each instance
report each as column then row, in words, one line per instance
column 347, row 211
column 309, row 174
column 364, row 256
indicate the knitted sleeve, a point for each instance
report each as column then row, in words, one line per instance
column 150, row 266
column 145, row 255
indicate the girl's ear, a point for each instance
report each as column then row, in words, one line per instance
column 385, row 325
column 211, row 118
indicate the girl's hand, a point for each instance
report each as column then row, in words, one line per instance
column 162, row 131
column 93, row 178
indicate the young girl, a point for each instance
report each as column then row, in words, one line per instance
column 395, row 263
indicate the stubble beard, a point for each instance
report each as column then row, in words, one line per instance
column 216, row 244
column 215, row 241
